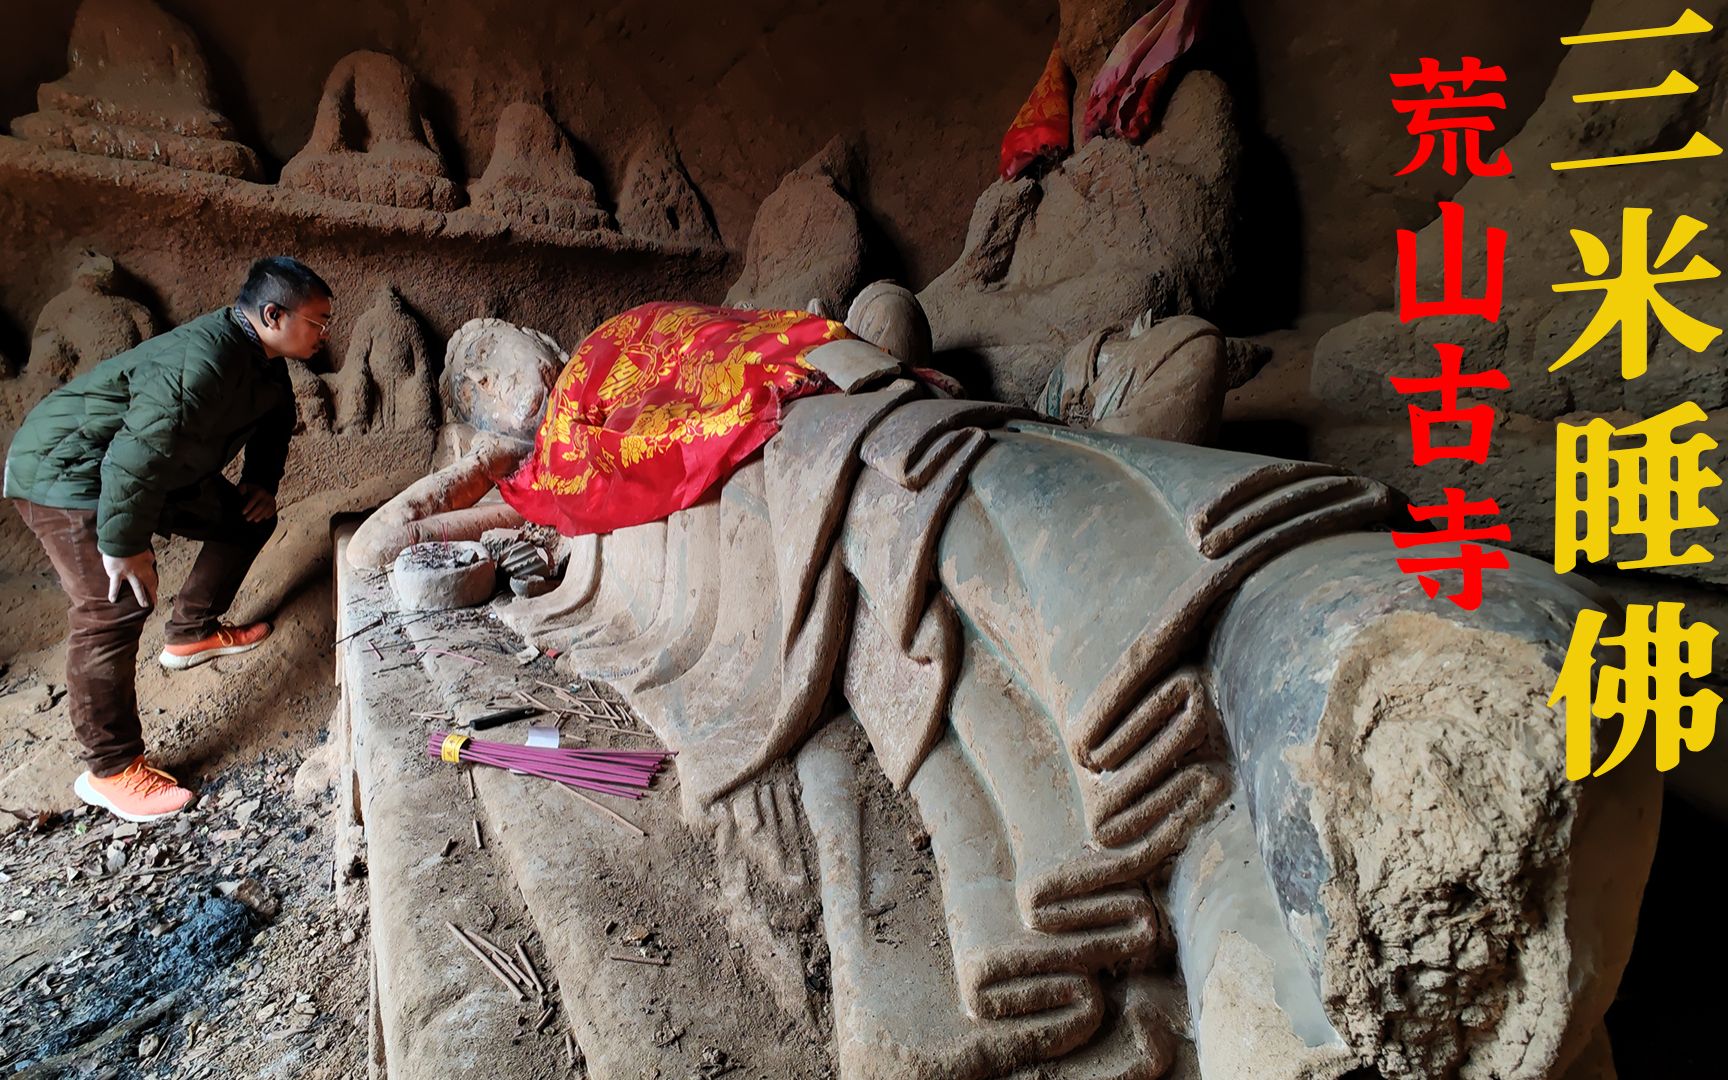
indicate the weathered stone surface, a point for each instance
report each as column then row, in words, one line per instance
column 1086, row 31
column 410, row 806
column 1399, row 758
column 1029, row 934
column 532, row 175
column 895, row 1012
column 530, row 585
column 1165, row 380
column 659, row 202
column 497, row 377
column 806, row 245
column 448, row 504
column 385, row 382
column 86, row 324
column 1041, row 853
column 442, row 575
column 317, row 773
column 187, row 237
column 1060, row 753
column 515, row 555
column 575, row 894
column 138, row 87
column 1112, row 232
column 851, row 365
column 1519, row 475
column 1254, row 1011
column 890, row 317
column 77, row 329
column 372, row 141
column 1243, row 359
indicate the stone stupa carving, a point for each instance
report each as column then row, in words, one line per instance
column 137, row 87
column 807, row 242
column 372, row 141
column 660, row 202
column 532, row 176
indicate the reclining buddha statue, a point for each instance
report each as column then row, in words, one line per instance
column 1208, row 786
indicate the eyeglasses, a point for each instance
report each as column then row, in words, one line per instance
column 323, row 327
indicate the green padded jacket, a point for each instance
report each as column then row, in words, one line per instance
column 142, row 433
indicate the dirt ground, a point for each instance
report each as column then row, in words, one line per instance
column 195, row 722
column 120, row 956
column 209, row 946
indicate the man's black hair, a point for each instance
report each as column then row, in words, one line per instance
column 282, row 281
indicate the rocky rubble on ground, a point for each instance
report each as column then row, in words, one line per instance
column 130, row 949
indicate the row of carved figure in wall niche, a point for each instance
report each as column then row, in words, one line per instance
column 138, row 88
column 385, row 382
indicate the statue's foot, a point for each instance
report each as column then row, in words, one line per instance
column 766, row 889
column 759, row 825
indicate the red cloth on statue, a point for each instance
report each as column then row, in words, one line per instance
column 1040, row 131
column 658, row 405
column 1124, row 97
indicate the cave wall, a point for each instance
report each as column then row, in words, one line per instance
column 921, row 91
column 1314, row 79
column 750, row 89
column 924, row 91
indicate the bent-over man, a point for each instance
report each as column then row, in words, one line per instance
column 136, row 447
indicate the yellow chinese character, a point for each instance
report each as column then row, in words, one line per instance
column 1651, row 490
column 1698, row 146
column 1689, row 22
column 1648, row 686
column 1674, row 85
column 1630, row 296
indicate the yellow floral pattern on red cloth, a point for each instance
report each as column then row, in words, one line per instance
column 658, row 405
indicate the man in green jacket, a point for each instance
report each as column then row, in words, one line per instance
column 136, row 447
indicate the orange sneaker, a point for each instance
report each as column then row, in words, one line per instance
column 224, row 642
column 140, row 792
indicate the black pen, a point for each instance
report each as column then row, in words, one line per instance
column 492, row 720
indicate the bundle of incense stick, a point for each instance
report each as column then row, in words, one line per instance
column 625, row 773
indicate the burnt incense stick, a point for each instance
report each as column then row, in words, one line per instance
column 447, row 652
column 491, row 965
column 620, row 819
column 355, row 633
column 528, row 966
column 625, row 731
column 503, row 716
column 537, row 703
column 556, row 689
column 503, row 958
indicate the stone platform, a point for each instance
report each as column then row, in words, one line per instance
column 569, row 882
column 844, row 878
